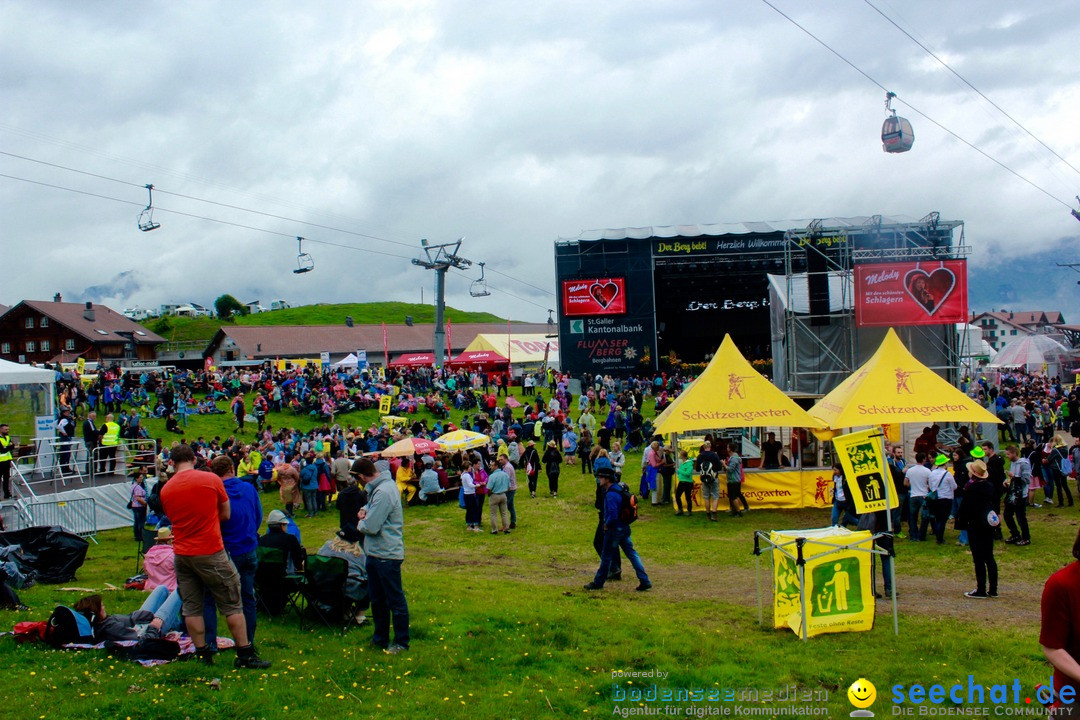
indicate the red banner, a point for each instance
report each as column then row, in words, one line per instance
column 385, row 346
column 594, row 296
column 911, row 293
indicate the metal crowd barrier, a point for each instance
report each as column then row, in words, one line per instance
column 55, row 465
column 78, row 516
column 121, row 459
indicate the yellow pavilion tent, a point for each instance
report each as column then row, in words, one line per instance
column 892, row 387
column 524, row 348
column 731, row 393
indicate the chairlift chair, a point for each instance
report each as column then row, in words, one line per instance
column 479, row 287
column 304, row 262
column 896, row 133
column 146, row 217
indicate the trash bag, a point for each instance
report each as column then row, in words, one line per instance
column 51, row 553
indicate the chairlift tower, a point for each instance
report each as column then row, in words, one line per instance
column 441, row 258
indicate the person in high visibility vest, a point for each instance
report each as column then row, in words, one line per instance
column 6, row 448
column 110, row 438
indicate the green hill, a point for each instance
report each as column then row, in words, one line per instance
column 201, row 330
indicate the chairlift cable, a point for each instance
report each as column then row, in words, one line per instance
column 236, row 207
column 194, row 216
column 916, row 110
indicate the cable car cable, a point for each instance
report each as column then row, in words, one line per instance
column 964, row 80
column 917, row 111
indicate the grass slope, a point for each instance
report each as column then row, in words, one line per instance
column 502, row 629
column 179, row 329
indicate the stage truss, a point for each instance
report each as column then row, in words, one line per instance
column 832, row 252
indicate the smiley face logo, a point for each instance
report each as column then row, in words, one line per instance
column 862, row 693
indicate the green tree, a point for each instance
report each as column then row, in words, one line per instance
column 227, row 306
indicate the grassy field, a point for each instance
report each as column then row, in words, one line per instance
column 180, row 329
column 502, row 628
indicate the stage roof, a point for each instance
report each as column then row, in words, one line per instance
column 741, row 228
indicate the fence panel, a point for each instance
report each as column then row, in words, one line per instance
column 78, row 516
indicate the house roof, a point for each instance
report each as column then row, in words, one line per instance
column 269, row 341
column 1003, row 319
column 4, row 309
column 102, row 329
column 1025, row 318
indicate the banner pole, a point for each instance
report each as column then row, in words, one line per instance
column 888, row 482
column 757, row 570
column 800, row 561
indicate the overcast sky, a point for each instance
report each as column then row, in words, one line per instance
column 511, row 124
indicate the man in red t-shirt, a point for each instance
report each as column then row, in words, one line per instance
column 196, row 503
column 1060, row 632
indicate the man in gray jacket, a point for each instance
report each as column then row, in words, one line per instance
column 381, row 523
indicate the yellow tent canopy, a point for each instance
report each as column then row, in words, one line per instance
column 731, row 393
column 893, row 387
column 524, row 348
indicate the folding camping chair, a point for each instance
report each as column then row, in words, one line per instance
column 149, row 538
column 276, row 590
column 324, row 592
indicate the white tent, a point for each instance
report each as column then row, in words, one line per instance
column 16, row 374
column 28, row 396
column 1032, row 352
column 346, row 363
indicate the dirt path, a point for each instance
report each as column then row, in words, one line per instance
column 918, row 596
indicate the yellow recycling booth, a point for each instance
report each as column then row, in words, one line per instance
column 822, row 581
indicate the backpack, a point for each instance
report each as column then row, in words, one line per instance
column 309, row 478
column 68, row 626
column 153, row 500
column 628, row 511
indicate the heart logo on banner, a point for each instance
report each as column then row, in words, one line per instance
column 604, row 293
column 930, row 290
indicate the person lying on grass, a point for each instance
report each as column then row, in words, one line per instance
column 159, row 615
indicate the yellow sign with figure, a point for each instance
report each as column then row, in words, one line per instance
column 384, row 405
column 862, row 456
column 836, row 582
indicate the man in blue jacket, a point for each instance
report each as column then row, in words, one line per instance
column 616, row 533
column 241, row 536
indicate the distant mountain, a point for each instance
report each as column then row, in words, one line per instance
column 121, row 287
column 1034, row 282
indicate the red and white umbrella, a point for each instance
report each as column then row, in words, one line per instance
column 409, row 447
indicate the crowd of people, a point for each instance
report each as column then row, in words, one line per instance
column 205, row 504
column 207, row 501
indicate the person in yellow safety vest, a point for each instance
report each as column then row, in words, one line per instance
column 6, row 456
column 110, row 438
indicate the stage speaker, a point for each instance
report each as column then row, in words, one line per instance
column 817, row 286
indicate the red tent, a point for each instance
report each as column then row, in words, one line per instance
column 413, row 360
column 480, row 358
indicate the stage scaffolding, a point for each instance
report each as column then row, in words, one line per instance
column 823, row 346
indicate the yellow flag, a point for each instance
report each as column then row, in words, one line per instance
column 867, row 474
column 384, row 405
